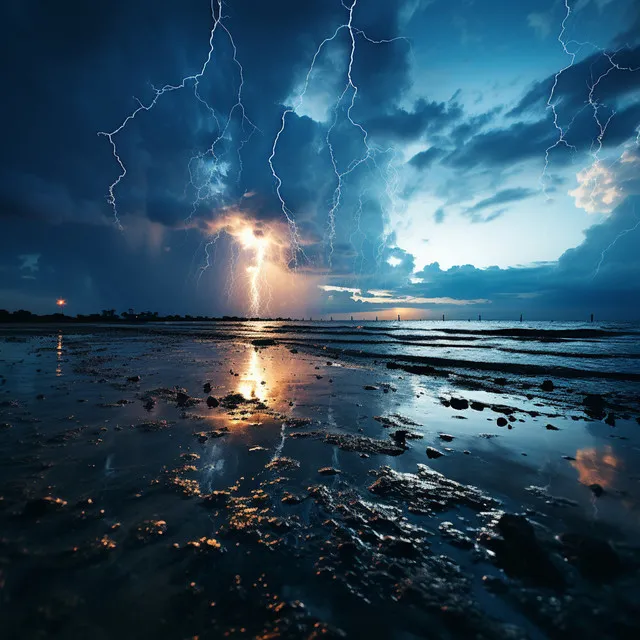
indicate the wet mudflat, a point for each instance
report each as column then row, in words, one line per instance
column 170, row 484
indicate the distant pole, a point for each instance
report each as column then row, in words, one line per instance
column 331, row 319
column 351, row 318
column 443, row 317
column 376, row 318
column 520, row 317
column 592, row 317
column 479, row 317
column 398, row 317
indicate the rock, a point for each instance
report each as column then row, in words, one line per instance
column 433, row 453
column 212, row 403
column 501, row 422
column 400, row 436
column 550, row 427
column 40, row 396
column 370, row 387
column 134, row 379
column 149, row 404
column 263, row 342
column 596, row 559
column 294, row 351
column 594, row 405
column 521, row 554
column 207, row 387
column 42, row 506
column 597, row 489
column 478, row 406
column 611, row 419
column 547, row 385
column 182, row 397
column 501, row 381
column 446, row 437
column 459, row 404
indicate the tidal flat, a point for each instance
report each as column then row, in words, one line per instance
column 272, row 480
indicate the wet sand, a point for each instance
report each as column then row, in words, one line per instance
column 161, row 483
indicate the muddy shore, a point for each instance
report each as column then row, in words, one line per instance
column 273, row 484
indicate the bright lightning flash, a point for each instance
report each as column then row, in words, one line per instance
column 259, row 245
column 265, row 246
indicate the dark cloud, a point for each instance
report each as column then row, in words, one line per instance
column 439, row 215
column 501, row 147
column 506, row 195
column 425, row 159
column 573, row 84
column 476, row 212
column 403, row 126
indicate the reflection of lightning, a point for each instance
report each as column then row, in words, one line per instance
column 214, row 168
column 350, row 87
column 596, row 144
column 613, row 242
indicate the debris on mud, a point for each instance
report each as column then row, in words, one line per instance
column 427, row 490
column 328, row 471
column 282, row 464
column 364, row 444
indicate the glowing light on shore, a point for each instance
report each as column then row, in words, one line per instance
column 61, row 302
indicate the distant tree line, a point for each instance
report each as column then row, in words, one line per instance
column 111, row 316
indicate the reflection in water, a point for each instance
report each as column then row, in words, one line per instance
column 59, row 355
column 597, row 466
column 256, row 381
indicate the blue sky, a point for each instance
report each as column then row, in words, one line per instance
column 439, row 181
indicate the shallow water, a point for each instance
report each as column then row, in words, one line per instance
column 286, row 550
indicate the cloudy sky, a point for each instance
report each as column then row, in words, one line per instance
column 422, row 156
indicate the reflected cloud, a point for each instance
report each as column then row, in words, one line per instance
column 597, row 465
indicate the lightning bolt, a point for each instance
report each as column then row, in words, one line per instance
column 351, row 88
column 207, row 248
column 204, row 175
column 596, row 144
column 612, row 244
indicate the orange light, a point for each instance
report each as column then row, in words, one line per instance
column 61, row 302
